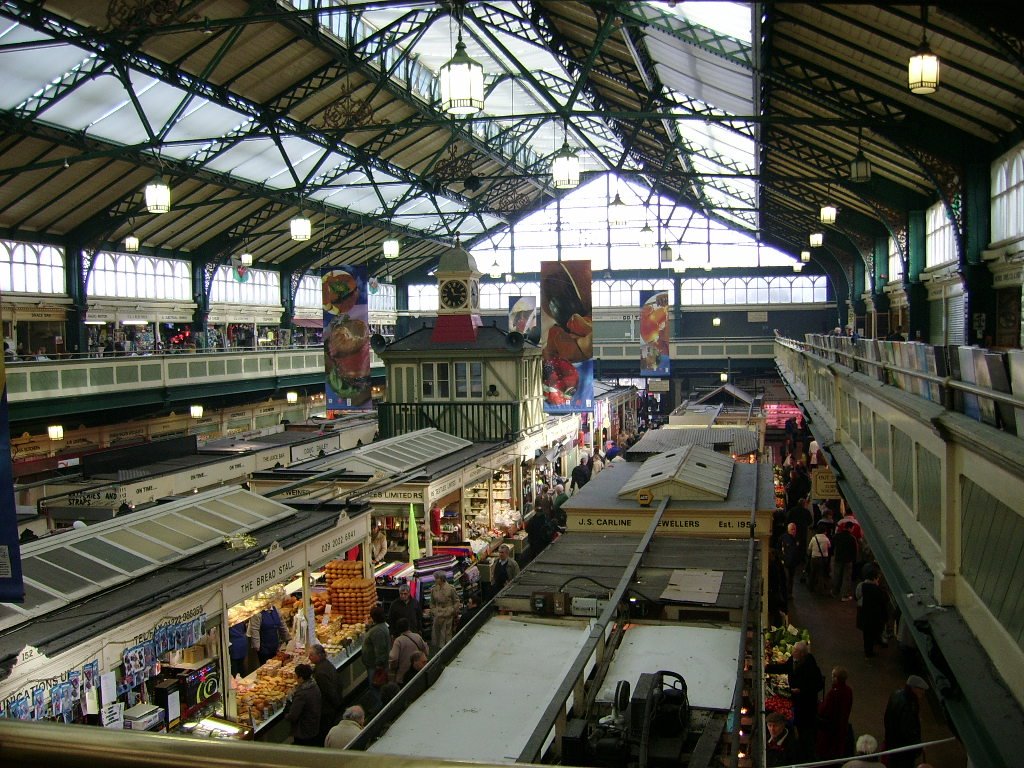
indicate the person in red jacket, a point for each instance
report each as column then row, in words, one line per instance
column 834, row 718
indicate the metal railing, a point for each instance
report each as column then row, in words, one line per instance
column 890, row 372
column 492, row 421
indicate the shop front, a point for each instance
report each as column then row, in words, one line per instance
column 34, row 329
column 230, row 326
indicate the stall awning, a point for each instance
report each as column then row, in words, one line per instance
column 305, row 322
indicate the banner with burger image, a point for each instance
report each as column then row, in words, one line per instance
column 654, row 352
column 346, row 338
column 567, row 336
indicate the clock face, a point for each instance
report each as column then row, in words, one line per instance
column 453, row 294
column 474, row 295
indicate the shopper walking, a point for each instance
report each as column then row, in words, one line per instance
column 326, row 676
column 873, row 611
column 304, row 712
column 805, row 683
column 374, row 654
column 405, row 607
column 844, row 555
column 444, row 610
column 405, row 645
column 834, row 735
column 505, row 568
column 818, row 549
column 903, row 722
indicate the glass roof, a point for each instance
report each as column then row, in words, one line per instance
column 393, row 456
column 582, row 218
column 73, row 565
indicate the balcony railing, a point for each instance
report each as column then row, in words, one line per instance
column 480, row 422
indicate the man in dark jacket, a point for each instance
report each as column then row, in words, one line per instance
column 873, row 612
column 903, row 722
column 374, row 654
column 580, row 475
column 405, row 607
column 790, row 552
column 844, row 555
column 805, row 683
column 326, row 676
column 800, row 513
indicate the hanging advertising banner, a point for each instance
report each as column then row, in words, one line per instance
column 346, row 338
column 522, row 317
column 567, row 336
column 654, row 355
column 12, row 588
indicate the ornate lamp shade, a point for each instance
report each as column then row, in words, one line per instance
column 827, row 215
column 131, row 244
column 246, row 259
column 860, row 168
column 158, row 196
column 723, row 376
column 716, row 321
column 923, row 70
column 292, row 397
column 816, row 239
column 55, row 432
column 301, row 228
column 391, row 248
column 565, row 168
column 496, row 271
column 666, row 253
column 805, row 256
column 798, row 266
column 462, row 84
column 196, row 411
column 679, row 266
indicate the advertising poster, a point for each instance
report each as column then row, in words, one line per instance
column 12, row 589
column 522, row 317
column 346, row 338
column 654, row 318
column 567, row 336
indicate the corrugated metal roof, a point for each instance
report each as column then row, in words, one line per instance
column 690, row 472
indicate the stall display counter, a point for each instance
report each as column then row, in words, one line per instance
column 216, row 728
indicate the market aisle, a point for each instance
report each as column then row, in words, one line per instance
column 836, row 640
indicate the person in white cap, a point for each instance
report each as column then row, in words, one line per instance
column 903, row 722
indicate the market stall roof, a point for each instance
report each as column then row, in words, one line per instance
column 61, row 569
column 726, row 392
column 448, row 720
column 557, row 568
column 392, row 456
column 705, row 656
column 689, row 472
column 69, row 623
column 694, row 415
column 602, row 492
column 735, row 440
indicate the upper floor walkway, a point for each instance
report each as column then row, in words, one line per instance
column 938, row 492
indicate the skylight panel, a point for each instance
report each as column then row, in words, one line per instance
column 732, row 19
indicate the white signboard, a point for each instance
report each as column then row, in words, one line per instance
column 261, row 576
column 311, row 450
column 333, row 543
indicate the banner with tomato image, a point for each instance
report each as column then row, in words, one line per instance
column 567, row 336
column 346, row 338
column 654, row 319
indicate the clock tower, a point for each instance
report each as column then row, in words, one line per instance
column 458, row 297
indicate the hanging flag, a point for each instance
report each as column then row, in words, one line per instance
column 567, row 336
column 414, row 537
column 346, row 338
column 654, row 335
